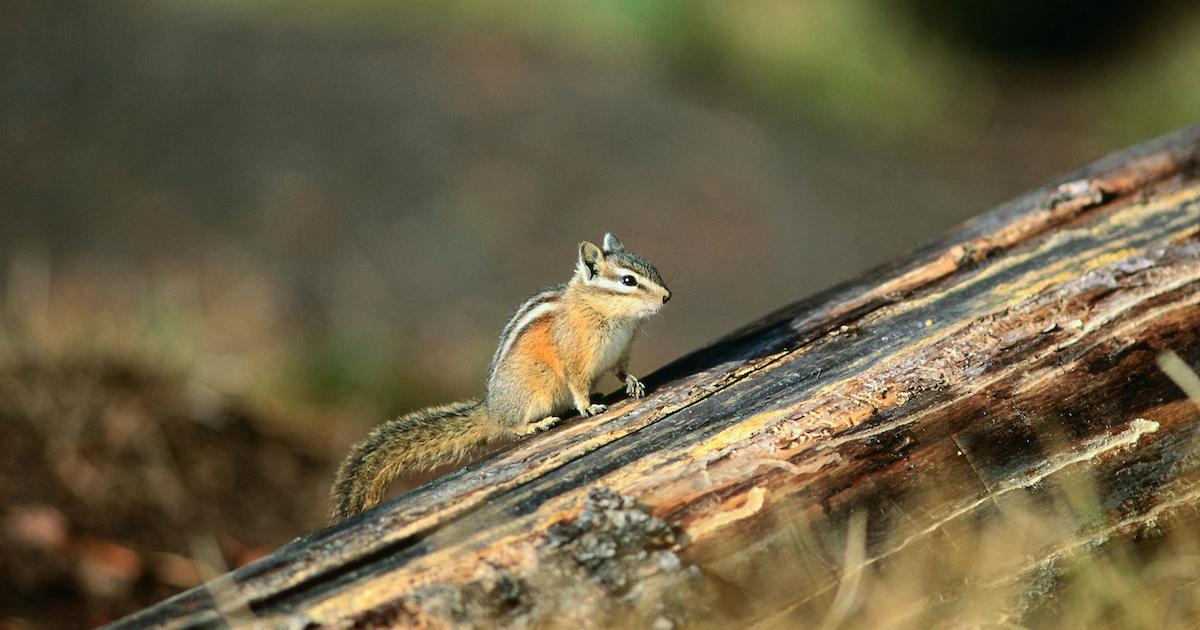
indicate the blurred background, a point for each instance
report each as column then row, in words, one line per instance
column 234, row 235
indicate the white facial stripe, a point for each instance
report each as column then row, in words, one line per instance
column 611, row 285
column 521, row 321
column 643, row 280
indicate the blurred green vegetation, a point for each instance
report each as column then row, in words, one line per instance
column 896, row 68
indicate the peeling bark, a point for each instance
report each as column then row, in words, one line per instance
column 1005, row 365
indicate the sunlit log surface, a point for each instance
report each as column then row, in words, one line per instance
column 884, row 421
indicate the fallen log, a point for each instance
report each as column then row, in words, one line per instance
column 942, row 440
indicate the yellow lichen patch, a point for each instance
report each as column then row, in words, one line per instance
column 1124, row 217
column 1020, row 291
column 1071, row 270
column 1176, row 199
column 742, row 431
column 1104, row 260
column 1033, row 283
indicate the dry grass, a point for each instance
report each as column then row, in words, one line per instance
column 1044, row 556
column 1039, row 562
column 225, row 327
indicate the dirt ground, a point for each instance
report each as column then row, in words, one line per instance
column 121, row 486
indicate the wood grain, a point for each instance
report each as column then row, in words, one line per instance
column 985, row 370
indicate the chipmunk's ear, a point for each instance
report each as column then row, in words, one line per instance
column 589, row 260
column 612, row 243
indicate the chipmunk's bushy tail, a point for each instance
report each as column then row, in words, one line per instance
column 421, row 440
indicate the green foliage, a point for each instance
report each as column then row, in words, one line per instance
column 331, row 370
column 863, row 66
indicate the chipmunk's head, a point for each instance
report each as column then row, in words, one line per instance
column 630, row 285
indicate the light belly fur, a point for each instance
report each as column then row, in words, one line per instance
column 611, row 347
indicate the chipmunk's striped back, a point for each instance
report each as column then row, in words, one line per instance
column 542, row 304
column 550, row 353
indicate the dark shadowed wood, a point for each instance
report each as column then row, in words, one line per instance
column 972, row 375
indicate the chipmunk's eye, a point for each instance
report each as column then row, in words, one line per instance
column 629, row 281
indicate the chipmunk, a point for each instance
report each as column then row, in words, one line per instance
column 554, row 347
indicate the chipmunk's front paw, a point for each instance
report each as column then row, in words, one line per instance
column 634, row 387
column 539, row 426
column 594, row 410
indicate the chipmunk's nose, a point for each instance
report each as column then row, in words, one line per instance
column 667, row 297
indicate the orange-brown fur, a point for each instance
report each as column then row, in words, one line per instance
column 550, row 354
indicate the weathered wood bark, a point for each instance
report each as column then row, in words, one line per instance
column 886, row 421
